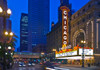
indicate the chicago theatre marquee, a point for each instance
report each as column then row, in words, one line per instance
column 85, row 25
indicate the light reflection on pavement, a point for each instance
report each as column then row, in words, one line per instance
column 16, row 67
column 24, row 68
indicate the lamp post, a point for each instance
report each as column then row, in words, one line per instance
column 42, row 57
column 0, row 46
column 5, row 15
column 7, row 35
column 54, row 50
column 82, row 43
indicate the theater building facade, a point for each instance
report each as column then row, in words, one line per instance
column 84, row 25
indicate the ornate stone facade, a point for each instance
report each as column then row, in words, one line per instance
column 85, row 25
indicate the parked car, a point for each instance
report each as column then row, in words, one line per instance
column 31, row 64
column 22, row 64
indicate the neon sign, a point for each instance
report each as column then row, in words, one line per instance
column 64, row 47
column 65, row 11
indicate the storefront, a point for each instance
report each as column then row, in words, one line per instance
column 74, row 56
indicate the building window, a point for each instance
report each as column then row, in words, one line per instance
column 83, row 10
column 78, row 14
column 73, row 25
column 78, row 23
column 98, row 3
column 89, row 5
column 89, row 16
column 74, row 17
column 99, row 14
column 83, row 20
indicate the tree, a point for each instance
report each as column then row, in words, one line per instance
column 10, row 41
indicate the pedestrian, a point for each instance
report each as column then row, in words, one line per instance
column 88, row 64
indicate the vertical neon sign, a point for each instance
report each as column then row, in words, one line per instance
column 65, row 11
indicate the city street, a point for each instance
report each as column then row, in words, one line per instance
column 64, row 67
column 16, row 67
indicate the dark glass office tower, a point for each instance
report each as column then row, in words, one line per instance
column 24, row 32
column 38, row 22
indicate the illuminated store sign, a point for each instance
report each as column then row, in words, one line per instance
column 86, row 51
column 66, row 54
column 64, row 47
column 65, row 11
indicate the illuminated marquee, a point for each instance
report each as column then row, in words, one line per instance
column 86, row 51
column 65, row 11
column 66, row 54
column 76, row 51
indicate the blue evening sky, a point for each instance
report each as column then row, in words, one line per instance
column 21, row 6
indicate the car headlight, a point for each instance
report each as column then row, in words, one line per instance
column 33, row 64
column 20, row 65
column 49, row 68
column 24, row 65
column 29, row 64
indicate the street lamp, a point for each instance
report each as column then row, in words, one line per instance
column 42, row 53
column 11, row 53
column 5, row 14
column 54, row 50
column 11, row 34
column 1, row 10
column 6, row 33
column 9, row 47
column 9, row 11
column 82, row 43
column 6, row 53
column 0, row 47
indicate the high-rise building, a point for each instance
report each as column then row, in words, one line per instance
column 38, row 22
column 3, row 4
column 85, row 25
column 4, row 25
column 24, row 32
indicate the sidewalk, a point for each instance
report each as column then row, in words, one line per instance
column 69, row 65
column 77, row 66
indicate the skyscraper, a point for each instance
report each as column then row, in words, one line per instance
column 38, row 22
column 24, row 32
column 3, row 4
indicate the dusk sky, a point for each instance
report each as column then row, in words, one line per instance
column 21, row 6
